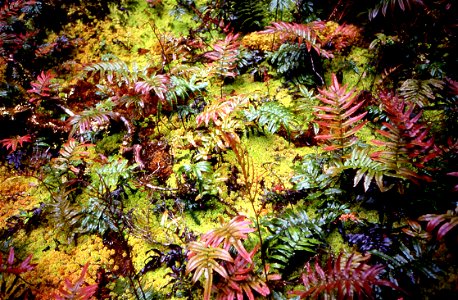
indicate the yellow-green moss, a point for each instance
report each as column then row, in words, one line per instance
column 336, row 243
column 55, row 262
column 17, row 194
column 354, row 67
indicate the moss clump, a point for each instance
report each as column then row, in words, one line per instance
column 17, row 195
column 57, row 261
column 355, row 68
column 110, row 144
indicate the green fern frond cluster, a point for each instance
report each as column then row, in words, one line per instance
column 410, row 262
column 273, row 116
column 366, row 168
column 295, row 232
column 289, row 58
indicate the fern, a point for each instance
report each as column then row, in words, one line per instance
column 182, row 88
column 156, row 83
column 289, row 59
column 219, row 110
column 64, row 215
column 295, row 232
column 140, row 81
column 306, row 34
column 12, row 286
column 203, row 259
column 80, row 290
column 90, row 120
column 272, row 115
column 338, row 117
column 341, row 278
column 14, row 142
column 225, row 56
column 365, row 168
column 242, row 279
column 408, row 143
column 212, row 254
column 408, row 263
column 382, row 5
column 247, row 16
column 444, row 223
column 231, row 234
column 311, row 177
column 114, row 70
column 43, row 86
column 281, row 5
column 71, row 155
column 420, row 92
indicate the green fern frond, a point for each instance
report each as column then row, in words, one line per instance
column 118, row 70
column 182, row 88
column 273, row 115
column 295, row 232
column 365, row 167
column 410, row 262
column 250, row 15
column 312, row 177
column 281, row 5
column 64, row 215
column 289, row 58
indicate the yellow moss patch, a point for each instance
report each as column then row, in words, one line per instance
column 57, row 262
column 15, row 195
column 261, row 41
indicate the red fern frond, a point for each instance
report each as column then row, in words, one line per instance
column 341, row 278
column 338, row 116
column 42, row 86
column 12, row 143
column 79, row 290
column 406, row 143
column 241, row 280
column 9, row 267
column 444, row 223
column 225, row 55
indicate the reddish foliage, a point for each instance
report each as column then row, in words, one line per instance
column 12, row 143
column 341, row 279
column 42, row 86
column 337, row 116
column 407, row 139
column 79, row 290
column 241, row 280
column 10, row 267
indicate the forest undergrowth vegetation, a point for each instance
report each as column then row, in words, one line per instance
column 229, row 149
